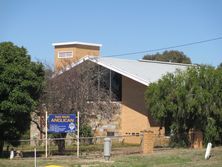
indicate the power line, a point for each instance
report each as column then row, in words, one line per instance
column 165, row 48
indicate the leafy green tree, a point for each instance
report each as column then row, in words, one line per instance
column 220, row 66
column 169, row 56
column 188, row 100
column 21, row 84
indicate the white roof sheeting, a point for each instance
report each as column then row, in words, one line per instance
column 142, row 71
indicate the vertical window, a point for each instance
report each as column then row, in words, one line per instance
column 116, row 86
column 101, row 78
column 116, row 83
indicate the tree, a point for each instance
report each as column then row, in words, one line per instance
column 78, row 90
column 21, row 84
column 169, row 56
column 188, row 100
column 220, row 66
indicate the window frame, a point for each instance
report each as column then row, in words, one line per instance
column 65, row 52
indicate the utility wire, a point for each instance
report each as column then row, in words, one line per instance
column 165, row 48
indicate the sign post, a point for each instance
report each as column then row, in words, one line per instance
column 46, row 134
column 63, row 123
column 35, row 161
column 77, row 134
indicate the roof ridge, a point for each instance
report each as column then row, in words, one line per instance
column 164, row 62
column 153, row 61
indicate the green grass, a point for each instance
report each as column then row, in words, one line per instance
column 166, row 158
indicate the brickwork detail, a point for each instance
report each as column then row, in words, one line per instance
column 148, row 142
column 132, row 140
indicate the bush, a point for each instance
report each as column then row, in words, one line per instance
column 190, row 99
column 85, row 131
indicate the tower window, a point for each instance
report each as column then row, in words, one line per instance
column 65, row 54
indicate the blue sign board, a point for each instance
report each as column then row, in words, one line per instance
column 61, row 123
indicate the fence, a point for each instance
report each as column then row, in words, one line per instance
column 90, row 147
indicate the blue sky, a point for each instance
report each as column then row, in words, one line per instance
column 121, row 26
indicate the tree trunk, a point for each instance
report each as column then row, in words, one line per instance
column 1, row 147
column 61, row 143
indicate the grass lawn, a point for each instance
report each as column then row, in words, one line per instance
column 165, row 158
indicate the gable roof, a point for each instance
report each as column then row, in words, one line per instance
column 142, row 71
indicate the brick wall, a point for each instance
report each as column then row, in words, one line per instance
column 148, row 142
column 134, row 115
column 79, row 51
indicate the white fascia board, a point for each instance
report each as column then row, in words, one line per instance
column 113, row 68
column 124, row 73
column 75, row 64
column 76, row 43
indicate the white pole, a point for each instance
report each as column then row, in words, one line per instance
column 208, row 151
column 46, row 134
column 35, row 163
column 78, row 134
column 11, row 154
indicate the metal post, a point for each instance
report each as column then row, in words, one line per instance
column 110, row 85
column 78, row 134
column 46, row 134
column 35, row 162
column 107, row 148
column 98, row 78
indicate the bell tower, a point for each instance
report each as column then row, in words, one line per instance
column 66, row 53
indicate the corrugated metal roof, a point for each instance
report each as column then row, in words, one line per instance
column 141, row 71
